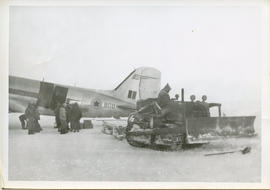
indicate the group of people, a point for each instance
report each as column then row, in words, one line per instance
column 29, row 120
column 67, row 117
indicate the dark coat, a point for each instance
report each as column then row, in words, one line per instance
column 57, row 119
column 163, row 98
column 56, row 111
column 32, row 116
column 68, row 112
column 75, row 113
column 75, row 116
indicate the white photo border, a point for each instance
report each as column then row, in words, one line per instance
column 4, row 63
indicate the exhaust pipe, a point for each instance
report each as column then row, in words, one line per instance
column 182, row 95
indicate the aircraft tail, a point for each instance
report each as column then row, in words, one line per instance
column 142, row 83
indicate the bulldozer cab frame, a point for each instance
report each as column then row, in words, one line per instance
column 199, row 109
column 211, row 105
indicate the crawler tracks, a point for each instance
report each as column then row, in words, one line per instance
column 157, row 139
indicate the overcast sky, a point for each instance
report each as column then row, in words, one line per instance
column 206, row 50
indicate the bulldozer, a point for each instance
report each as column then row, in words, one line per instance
column 182, row 124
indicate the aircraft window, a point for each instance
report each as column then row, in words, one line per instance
column 129, row 94
column 134, row 94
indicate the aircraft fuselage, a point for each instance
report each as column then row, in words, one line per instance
column 93, row 103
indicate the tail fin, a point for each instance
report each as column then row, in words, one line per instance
column 142, row 83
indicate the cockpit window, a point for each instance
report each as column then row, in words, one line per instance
column 132, row 94
column 129, row 93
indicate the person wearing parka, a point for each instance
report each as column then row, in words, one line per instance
column 75, row 116
column 63, row 119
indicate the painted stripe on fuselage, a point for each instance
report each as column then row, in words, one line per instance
column 23, row 92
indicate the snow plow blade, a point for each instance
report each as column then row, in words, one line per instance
column 209, row 128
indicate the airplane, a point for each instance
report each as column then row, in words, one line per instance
column 142, row 83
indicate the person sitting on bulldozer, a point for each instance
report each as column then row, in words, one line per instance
column 169, row 110
column 163, row 97
column 163, row 109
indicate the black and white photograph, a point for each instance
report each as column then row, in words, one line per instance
column 141, row 93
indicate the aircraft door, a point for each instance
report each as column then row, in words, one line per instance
column 45, row 94
column 59, row 96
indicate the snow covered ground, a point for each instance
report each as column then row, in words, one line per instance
column 93, row 156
